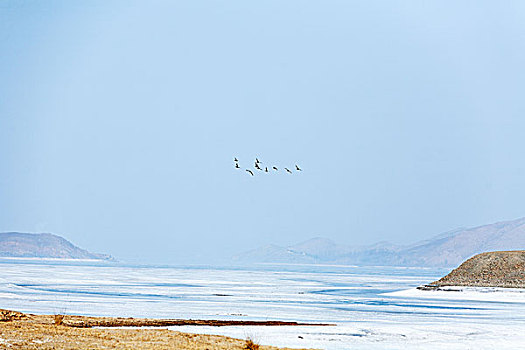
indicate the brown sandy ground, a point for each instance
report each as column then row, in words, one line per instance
column 26, row 331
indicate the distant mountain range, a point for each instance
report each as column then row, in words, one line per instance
column 42, row 245
column 445, row 250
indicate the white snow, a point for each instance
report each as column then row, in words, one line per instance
column 489, row 294
column 372, row 308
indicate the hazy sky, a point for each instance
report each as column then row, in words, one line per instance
column 119, row 121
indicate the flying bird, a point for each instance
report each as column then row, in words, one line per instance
column 266, row 169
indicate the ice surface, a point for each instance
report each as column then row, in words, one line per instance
column 371, row 307
column 488, row 294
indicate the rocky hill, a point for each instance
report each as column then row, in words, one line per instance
column 42, row 245
column 445, row 250
column 492, row 269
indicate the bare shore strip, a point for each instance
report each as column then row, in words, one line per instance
column 28, row 331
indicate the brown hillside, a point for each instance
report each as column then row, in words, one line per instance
column 42, row 245
column 492, row 269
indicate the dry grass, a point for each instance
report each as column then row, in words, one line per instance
column 52, row 332
column 17, row 335
column 59, row 320
column 251, row 344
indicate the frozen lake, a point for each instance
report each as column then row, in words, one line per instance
column 371, row 307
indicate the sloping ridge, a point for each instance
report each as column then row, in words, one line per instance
column 492, row 269
column 444, row 250
column 452, row 249
column 43, row 245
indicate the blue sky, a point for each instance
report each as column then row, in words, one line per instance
column 119, row 121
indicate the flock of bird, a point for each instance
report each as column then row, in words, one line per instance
column 258, row 166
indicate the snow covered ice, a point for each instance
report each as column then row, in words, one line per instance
column 370, row 307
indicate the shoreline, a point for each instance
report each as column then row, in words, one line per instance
column 464, row 293
column 78, row 321
column 30, row 331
